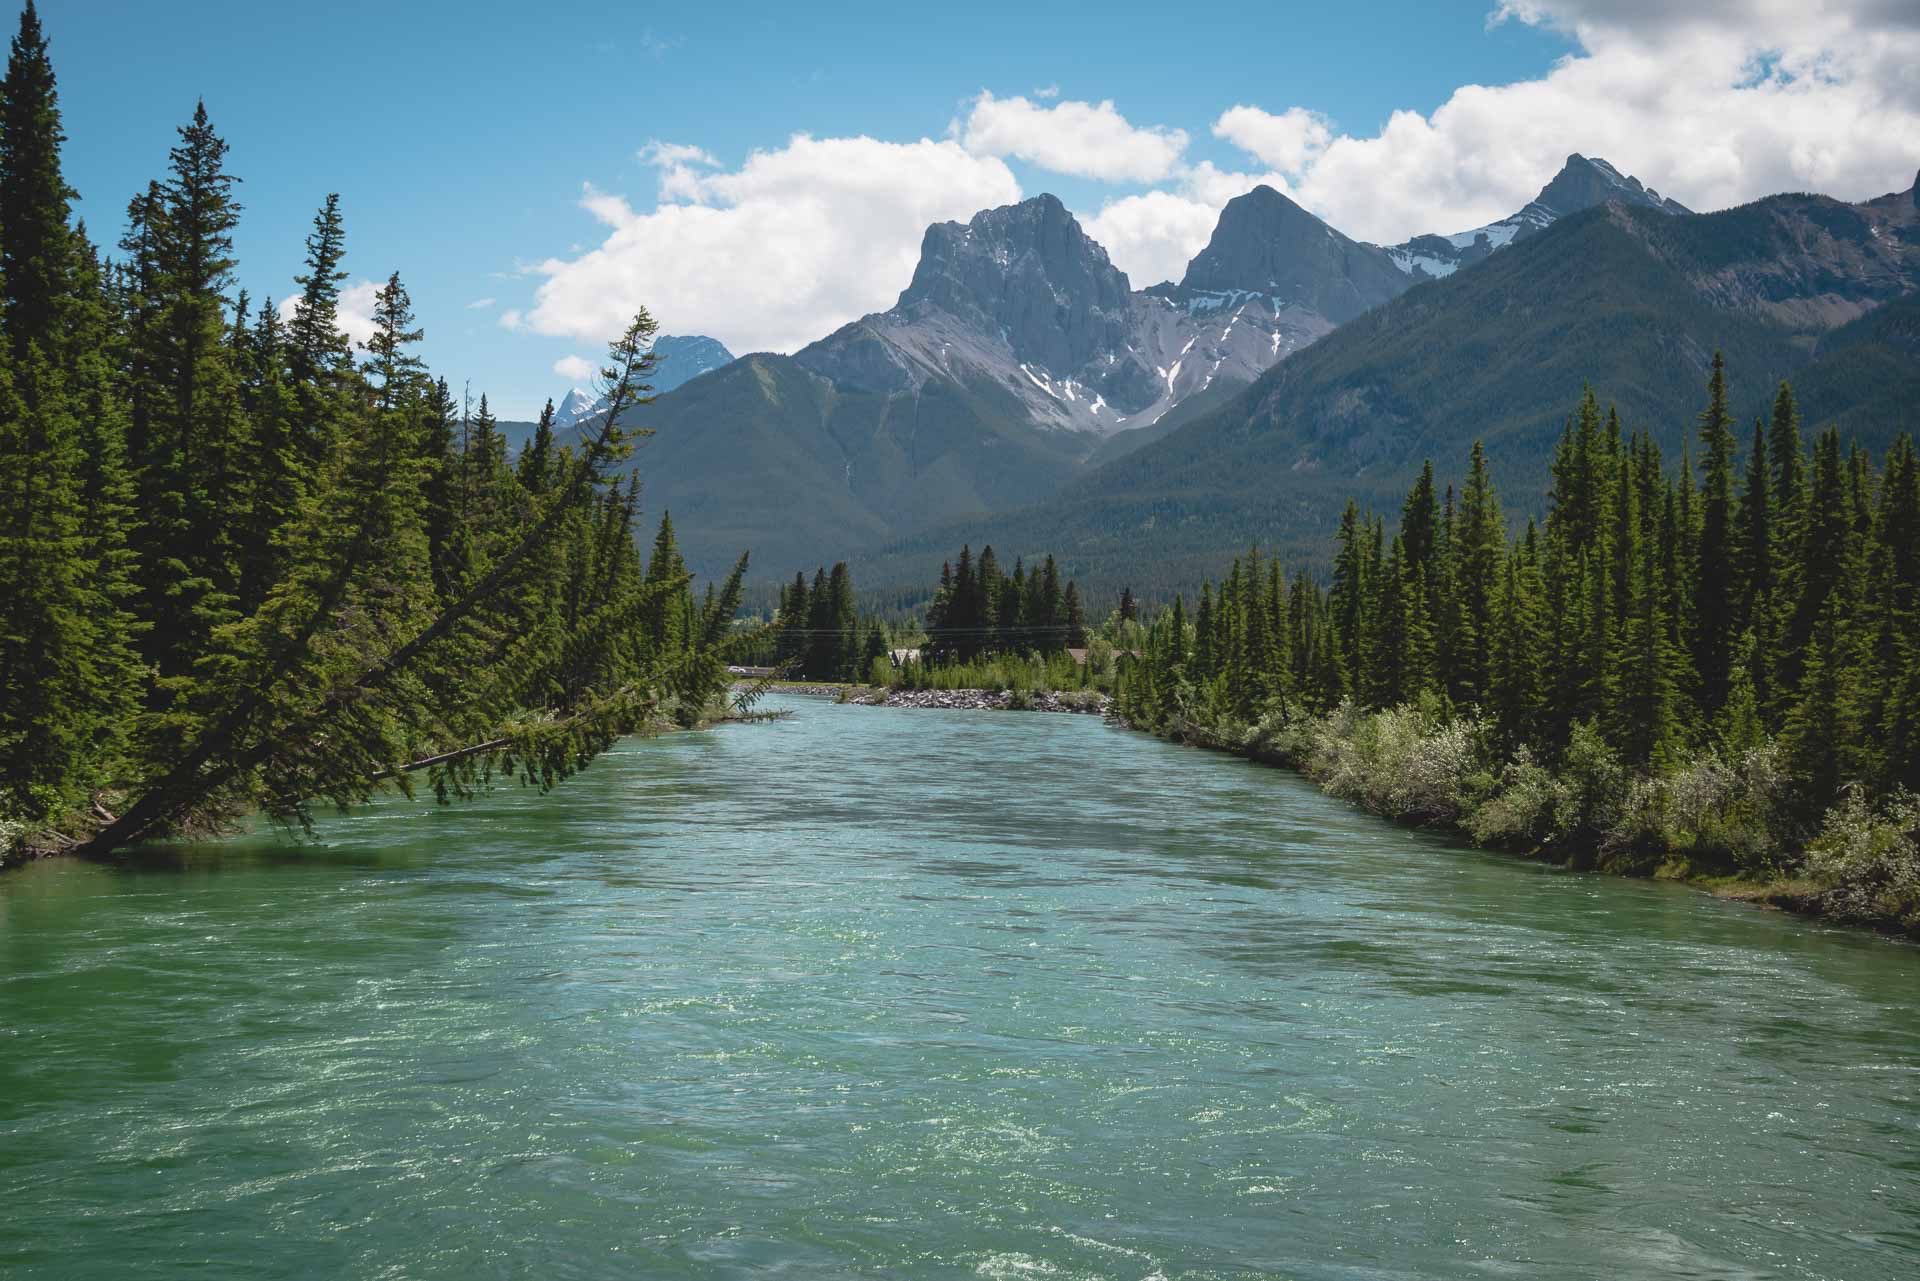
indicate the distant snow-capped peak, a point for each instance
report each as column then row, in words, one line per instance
column 574, row 406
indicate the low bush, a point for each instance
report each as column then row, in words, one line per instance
column 1866, row 860
column 1403, row 761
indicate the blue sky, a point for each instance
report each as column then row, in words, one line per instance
column 461, row 138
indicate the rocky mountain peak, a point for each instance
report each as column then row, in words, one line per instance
column 1583, row 183
column 1028, row 271
column 573, row 406
column 681, row 358
column 1264, row 243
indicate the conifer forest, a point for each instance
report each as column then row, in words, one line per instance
column 245, row 567
column 744, row 643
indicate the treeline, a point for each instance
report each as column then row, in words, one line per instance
column 819, row 633
column 980, row 610
column 1749, row 602
column 976, row 612
column 243, row 566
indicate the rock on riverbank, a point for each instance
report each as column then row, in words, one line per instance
column 1088, row 701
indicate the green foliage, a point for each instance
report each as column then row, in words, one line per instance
column 1866, row 860
column 1665, row 672
column 977, row 614
column 240, row 573
column 1023, row 674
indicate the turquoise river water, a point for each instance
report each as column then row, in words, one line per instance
column 900, row 993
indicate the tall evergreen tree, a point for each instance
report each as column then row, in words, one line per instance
column 39, row 256
column 1076, row 618
column 1716, row 587
column 318, row 351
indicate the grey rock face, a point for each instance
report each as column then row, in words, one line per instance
column 684, row 357
column 1030, row 272
column 1021, row 302
column 1265, row 243
column 1580, row 184
column 1583, row 183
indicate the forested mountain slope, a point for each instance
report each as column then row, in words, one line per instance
column 1628, row 298
column 1018, row 356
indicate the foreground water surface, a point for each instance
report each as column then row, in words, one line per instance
column 882, row 993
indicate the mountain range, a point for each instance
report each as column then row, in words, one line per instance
column 1627, row 298
column 681, row 359
column 1021, row 390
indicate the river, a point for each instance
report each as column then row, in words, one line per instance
column 899, row 993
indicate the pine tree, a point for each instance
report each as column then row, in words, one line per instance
column 1052, row 615
column 1205, row 661
column 1351, row 590
column 1822, row 736
column 536, row 459
column 1644, row 719
column 1076, row 620
column 297, row 709
column 194, row 494
column 844, row 621
column 1481, row 540
column 45, row 627
column 795, row 611
column 665, row 631
column 1754, row 615
column 39, row 257
column 1715, row 584
column 1519, row 704
column 987, row 585
column 62, row 636
column 318, row 352
column 397, row 374
column 1825, row 527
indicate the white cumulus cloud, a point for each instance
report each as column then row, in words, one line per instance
column 773, row 254
column 1086, row 139
column 575, row 368
column 1714, row 103
column 1285, row 142
column 1151, row 236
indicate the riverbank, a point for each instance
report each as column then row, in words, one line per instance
column 1085, row 702
column 1703, row 826
column 808, row 689
column 21, row 844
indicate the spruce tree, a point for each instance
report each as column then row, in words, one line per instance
column 318, row 352
column 39, row 257
column 1076, row 618
column 665, row 566
column 1481, row 544
column 1351, row 591
column 195, row 493
column 1753, row 617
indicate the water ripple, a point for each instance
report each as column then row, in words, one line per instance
column 876, row 993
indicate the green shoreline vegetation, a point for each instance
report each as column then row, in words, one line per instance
column 1716, row 680
column 245, row 569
